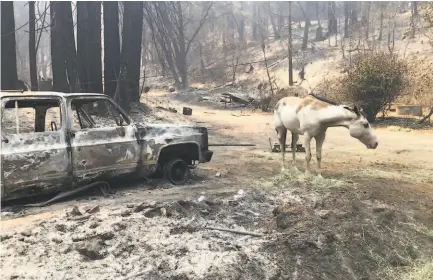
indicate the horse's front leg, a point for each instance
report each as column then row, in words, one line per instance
column 319, row 144
column 282, row 134
column 307, row 141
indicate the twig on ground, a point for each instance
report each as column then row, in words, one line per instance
column 232, row 145
column 236, row 231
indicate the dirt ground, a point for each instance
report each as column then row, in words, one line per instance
column 370, row 217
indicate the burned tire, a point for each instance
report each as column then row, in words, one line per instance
column 177, row 171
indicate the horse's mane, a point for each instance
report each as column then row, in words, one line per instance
column 321, row 98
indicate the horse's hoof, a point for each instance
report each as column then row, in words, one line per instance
column 319, row 176
column 283, row 169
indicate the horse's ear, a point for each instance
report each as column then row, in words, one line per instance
column 357, row 111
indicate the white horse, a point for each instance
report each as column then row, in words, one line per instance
column 311, row 116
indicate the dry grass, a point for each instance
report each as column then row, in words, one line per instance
column 290, row 176
column 420, row 270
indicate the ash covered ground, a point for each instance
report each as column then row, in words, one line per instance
column 307, row 227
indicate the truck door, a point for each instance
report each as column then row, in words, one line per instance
column 103, row 139
column 34, row 151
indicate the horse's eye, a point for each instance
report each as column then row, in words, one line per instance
column 366, row 125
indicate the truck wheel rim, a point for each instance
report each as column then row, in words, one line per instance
column 178, row 171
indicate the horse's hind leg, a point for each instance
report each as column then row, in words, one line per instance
column 319, row 143
column 282, row 134
column 295, row 138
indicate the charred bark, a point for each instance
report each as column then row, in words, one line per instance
column 131, row 46
column 89, row 46
column 319, row 31
column 290, row 46
column 58, row 62
column 9, row 76
column 346, row 19
column 255, row 20
column 111, row 46
column 32, row 47
column 381, row 22
column 241, row 25
column 67, row 42
column 353, row 13
column 271, row 17
column 307, row 25
column 332, row 19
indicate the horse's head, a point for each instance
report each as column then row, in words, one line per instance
column 360, row 129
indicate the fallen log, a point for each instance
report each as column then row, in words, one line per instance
column 170, row 109
column 236, row 99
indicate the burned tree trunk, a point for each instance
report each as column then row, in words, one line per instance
column 111, row 46
column 332, row 19
column 346, row 19
column 319, row 31
column 58, row 61
column 353, row 13
column 290, row 46
column 271, row 17
column 382, row 7
column 241, row 25
column 32, row 47
column 66, row 25
column 89, row 46
column 307, row 25
column 255, row 20
column 131, row 46
column 9, row 76
column 182, row 65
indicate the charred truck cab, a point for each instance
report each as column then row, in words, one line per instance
column 53, row 141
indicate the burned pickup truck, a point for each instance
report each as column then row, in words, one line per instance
column 53, row 141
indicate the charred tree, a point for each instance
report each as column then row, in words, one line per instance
column 111, row 46
column 255, row 20
column 346, row 19
column 9, row 76
column 290, row 46
column 32, row 47
column 319, row 31
column 332, row 19
column 89, row 46
column 241, row 24
column 131, row 47
column 353, row 6
column 414, row 15
column 382, row 7
column 271, row 17
column 169, row 24
column 58, row 61
column 307, row 25
column 366, row 19
column 67, row 41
